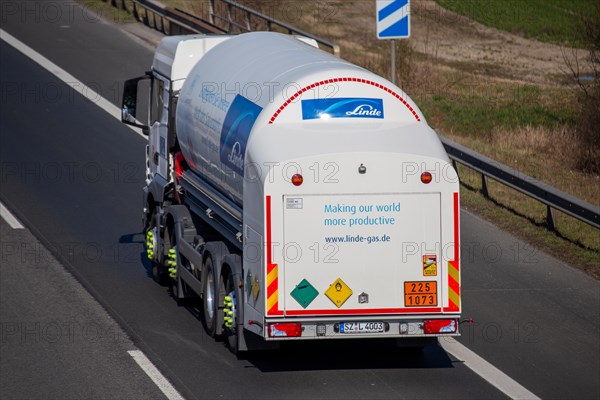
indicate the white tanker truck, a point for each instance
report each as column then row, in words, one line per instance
column 335, row 205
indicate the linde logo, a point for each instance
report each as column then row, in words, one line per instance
column 236, row 129
column 365, row 110
column 347, row 107
column 236, row 158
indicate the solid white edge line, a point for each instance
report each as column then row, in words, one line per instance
column 159, row 380
column 9, row 218
column 67, row 78
column 487, row 371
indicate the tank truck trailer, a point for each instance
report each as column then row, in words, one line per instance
column 336, row 206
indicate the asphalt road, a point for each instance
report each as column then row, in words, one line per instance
column 56, row 341
column 73, row 175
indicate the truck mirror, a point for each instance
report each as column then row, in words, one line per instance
column 130, row 107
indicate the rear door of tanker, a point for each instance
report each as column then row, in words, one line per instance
column 362, row 254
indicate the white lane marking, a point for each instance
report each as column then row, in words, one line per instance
column 487, row 371
column 163, row 384
column 9, row 218
column 67, row 78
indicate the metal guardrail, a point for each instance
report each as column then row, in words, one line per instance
column 167, row 20
column 553, row 198
column 237, row 19
column 173, row 21
column 245, row 24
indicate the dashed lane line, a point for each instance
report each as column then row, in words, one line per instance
column 9, row 218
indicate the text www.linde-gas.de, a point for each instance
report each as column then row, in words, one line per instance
column 358, row 239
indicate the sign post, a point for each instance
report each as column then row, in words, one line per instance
column 393, row 22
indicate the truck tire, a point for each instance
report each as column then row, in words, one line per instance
column 227, row 287
column 159, row 272
column 169, row 242
column 209, row 297
column 159, row 275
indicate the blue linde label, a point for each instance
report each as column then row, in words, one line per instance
column 342, row 108
column 236, row 128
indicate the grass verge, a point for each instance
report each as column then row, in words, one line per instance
column 549, row 21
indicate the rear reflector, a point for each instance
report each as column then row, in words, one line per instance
column 297, row 179
column 440, row 326
column 179, row 165
column 426, row 177
column 285, row 330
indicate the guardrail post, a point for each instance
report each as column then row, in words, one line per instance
column 484, row 186
column 146, row 18
column 135, row 13
column 550, row 218
column 211, row 11
column 248, row 24
column 455, row 166
column 229, row 29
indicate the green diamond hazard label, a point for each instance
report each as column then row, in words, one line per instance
column 304, row 293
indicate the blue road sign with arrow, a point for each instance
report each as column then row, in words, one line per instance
column 393, row 19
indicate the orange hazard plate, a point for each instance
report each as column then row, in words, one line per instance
column 419, row 294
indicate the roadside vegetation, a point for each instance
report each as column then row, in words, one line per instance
column 531, row 104
column 552, row 21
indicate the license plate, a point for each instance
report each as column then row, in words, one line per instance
column 362, row 327
column 419, row 294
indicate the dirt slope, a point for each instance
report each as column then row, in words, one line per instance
column 453, row 38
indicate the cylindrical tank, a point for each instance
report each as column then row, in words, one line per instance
column 266, row 78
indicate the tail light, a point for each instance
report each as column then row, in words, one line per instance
column 432, row 326
column 285, row 330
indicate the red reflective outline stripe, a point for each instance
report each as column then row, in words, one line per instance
column 365, row 81
column 270, row 265
column 456, row 235
column 272, row 288
column 421, row 310
column 452, row 283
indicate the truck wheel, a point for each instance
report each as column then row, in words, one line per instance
column 209, row 297
column 171, row 275
column 231, row 303
column 159, row 273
